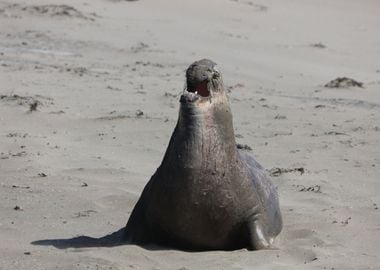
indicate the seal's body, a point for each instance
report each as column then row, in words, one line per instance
column 206, row 194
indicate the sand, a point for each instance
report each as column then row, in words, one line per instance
column 89, row 98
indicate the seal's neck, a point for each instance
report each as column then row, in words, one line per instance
column 203, row 138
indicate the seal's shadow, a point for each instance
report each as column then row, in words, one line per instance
column 110, row 240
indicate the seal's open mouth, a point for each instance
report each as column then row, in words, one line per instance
column 196, row 92
column 200, row 89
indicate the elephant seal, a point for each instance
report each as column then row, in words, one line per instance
column 206, row 194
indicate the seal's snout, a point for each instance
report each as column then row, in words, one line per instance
column 199, row 75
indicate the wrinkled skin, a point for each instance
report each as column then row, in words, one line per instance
column 206, row 194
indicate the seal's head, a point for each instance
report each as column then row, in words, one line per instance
column 203, row 84
column 204, row 126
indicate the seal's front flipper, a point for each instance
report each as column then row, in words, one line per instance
column 136, row 231
column 257, row 236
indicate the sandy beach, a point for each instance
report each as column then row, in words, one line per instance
column 89, row 97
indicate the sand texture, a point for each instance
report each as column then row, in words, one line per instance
column 89, row 98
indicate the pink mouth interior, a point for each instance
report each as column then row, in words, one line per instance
column 202, row 89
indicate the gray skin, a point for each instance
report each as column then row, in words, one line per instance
column 206, row 194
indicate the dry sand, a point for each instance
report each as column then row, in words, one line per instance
column 103, row 80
